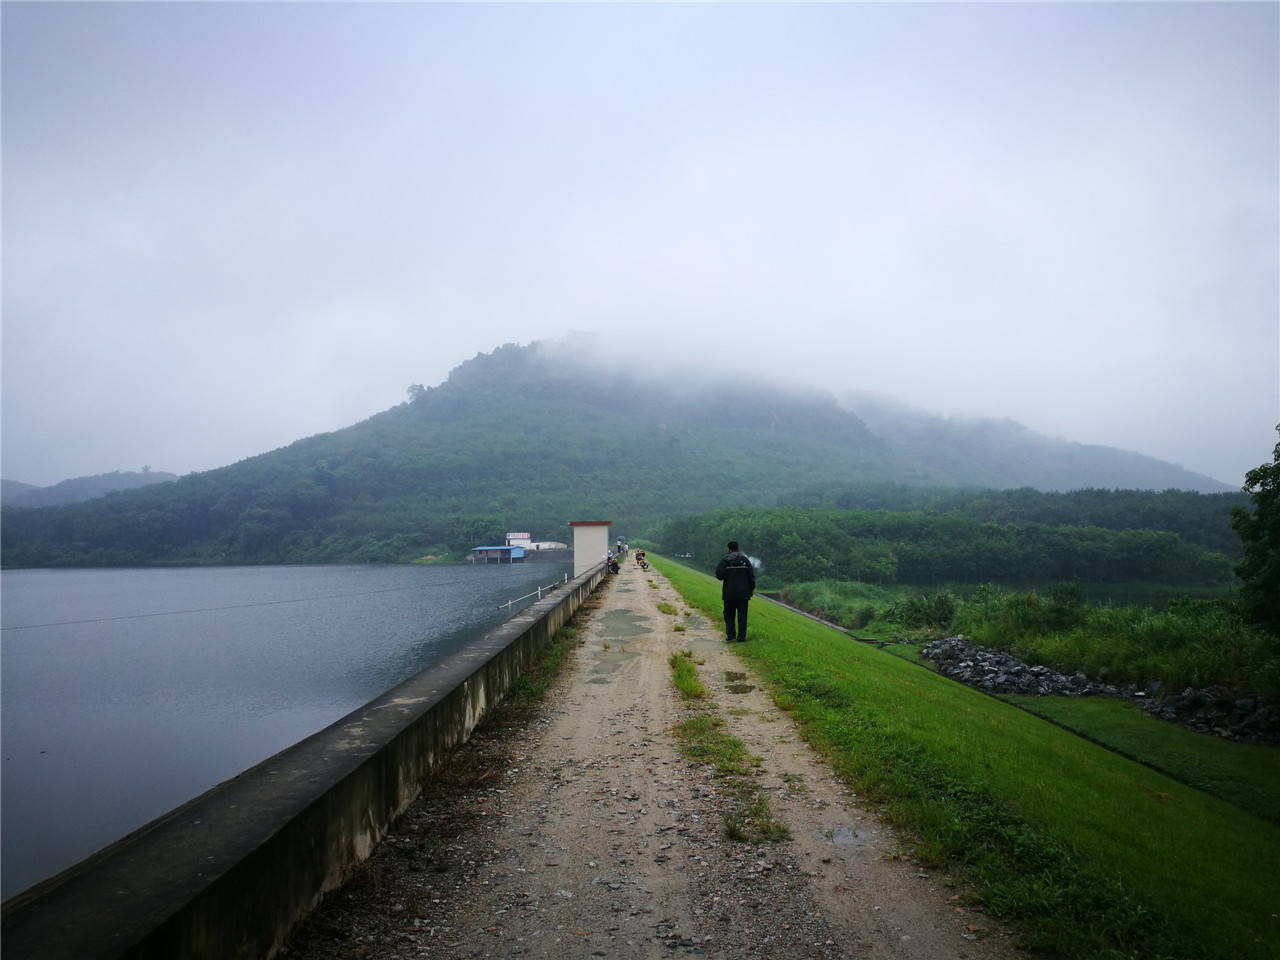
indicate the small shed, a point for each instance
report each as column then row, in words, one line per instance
column 495, row 555
column 590, row 543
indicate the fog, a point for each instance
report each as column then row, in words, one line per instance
column 227, row 226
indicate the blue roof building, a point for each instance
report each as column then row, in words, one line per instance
column 495, row 555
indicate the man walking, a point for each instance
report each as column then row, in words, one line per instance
column 739, row 578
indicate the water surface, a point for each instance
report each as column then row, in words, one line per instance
column 127, row 692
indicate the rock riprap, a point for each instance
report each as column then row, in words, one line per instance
column 1216, row 711
column 997, row 671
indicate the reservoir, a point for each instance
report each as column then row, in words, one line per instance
column 124, row 693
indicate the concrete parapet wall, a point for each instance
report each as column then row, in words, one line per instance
column 228, row 874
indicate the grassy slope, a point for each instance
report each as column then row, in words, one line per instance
column 1246, row 775
column 1058, row 834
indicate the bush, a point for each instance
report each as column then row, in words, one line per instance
column 1193, row 643
column 865, row 615
column 925, row 613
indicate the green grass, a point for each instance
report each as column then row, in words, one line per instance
column 702, row 737
column 1244, row 774
column 665, row 607
column 1089, row 853
column 684, row 674
column 531, row 686
column 849, row 603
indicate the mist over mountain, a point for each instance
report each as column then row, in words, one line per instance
column 14, row 493
column 999, row 454
column 531, row 437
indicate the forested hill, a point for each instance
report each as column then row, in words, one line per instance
column 79, row 488
column 512, row 440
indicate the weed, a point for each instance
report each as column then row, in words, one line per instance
column 684, row 674
column 531, row 686
column 753, row 822
column 665, row 607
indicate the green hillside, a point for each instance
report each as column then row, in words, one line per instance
column 79, row 488
column 512, row 440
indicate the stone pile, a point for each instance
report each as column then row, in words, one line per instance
column 1219, row 712
column 1216, row 711
column 996, row 671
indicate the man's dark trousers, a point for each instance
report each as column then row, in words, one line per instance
column 736, row 609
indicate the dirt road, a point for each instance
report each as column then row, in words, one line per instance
column 581, row 832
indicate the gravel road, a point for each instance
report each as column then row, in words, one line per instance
column 576, row 830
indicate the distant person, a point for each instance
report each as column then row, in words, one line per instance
column 739, row 578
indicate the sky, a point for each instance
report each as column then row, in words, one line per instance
column 228, row 226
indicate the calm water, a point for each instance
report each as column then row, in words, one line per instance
column 127, row 692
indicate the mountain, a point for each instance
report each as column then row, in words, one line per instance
column 15, row 494
column 12, row 489
column 999, row 454
column 521, row 438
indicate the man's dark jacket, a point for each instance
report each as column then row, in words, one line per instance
column 739, row 576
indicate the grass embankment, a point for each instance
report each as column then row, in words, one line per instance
column 1088, row 852
column 1245, row 775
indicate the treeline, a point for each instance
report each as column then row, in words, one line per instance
column 1199, row 518
column 877, row 546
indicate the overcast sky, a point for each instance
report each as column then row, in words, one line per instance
column 227, row 226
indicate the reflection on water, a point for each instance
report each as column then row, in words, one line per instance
column 124, row 693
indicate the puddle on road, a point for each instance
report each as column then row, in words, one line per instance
column 734, row 682
column 695, row 622
column 616, row 625
column 608, row 662
column 842, row 836
column 622, row 625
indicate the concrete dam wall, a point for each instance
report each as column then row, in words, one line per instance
column 229, row 873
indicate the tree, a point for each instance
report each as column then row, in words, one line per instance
column 1259, row 531
column 465, row 532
